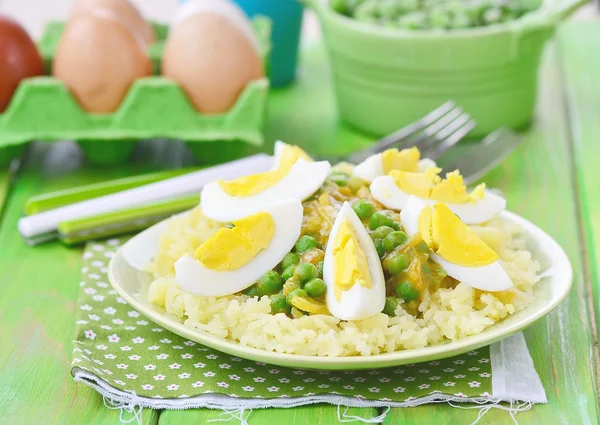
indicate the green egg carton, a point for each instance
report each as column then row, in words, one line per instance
column 43, row 109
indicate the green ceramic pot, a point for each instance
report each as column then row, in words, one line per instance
column 386, row 78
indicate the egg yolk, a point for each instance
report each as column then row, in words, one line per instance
column 230, row 249
column 450, row 238
column 350, row 262
column 256, row 183
column 406, row 159
column 429, row 185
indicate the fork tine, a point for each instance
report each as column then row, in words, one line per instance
column 451, row 137
column 413, row 128
column 482, row 157
column 428, row 136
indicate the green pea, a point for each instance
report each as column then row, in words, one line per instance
column 338, row 5
column 351, row 6
column 279, row 304
column 380, row 249
column 395, row 226
column 407, row 291
column 439, row 18
column 315, row 288
column 413, row 21
column 290, row 259
column 320, row 268
column 355, row 184
column 398, row 263
column 393, row 240
column 390, row 306
column 422, row 247
column 492, row 15
column 306, row 243
column 460, row 20
column 409, row 5
column 339, row 178
column 366, row 11
column 455, row 6
column 288, row 272
column 296, row 293
column 251, row 291
column 269, row 283
column 441, row 273
column 381, row 232
column 380, row 219
column 389, row 8
column 363, row 209
column 305, row 272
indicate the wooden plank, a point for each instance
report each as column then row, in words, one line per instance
column 37, row 306
column 313, row 415
column 581, row 68
column 538, row 183
column 5, row 180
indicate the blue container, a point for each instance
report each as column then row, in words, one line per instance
column 287, row 21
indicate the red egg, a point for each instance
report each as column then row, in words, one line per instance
column 19, row 59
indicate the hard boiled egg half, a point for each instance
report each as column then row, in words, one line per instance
column 475, row 207
column 234, row 258
column 352, row 270
column 383, row 163
column 295, row 175
column 457, row 248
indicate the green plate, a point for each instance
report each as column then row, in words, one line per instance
column 132, row 284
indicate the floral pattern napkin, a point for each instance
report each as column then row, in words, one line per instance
column 127, row 357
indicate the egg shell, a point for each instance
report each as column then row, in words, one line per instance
column 19, row 59
column 386, row 192
column 225, row 8
column 359, row 302
column 121, row 8
column 491, row 277
column 303, row 179
column 212, row 59
column 193, row 277
column 99, row 58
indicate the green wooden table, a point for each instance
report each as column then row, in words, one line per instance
column 551, row 180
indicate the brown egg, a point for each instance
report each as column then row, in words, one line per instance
column 121, row 8
column 99, row 58
column 19, row 59
column 213, row 56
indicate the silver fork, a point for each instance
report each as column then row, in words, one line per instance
column 439, row 131
column 433, row 134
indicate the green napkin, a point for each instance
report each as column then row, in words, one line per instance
column 131, row 360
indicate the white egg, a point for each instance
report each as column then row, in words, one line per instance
column 372, row 167
column 491, row 277
column 194, row 277
column 359, row 302
column 302, row 180
column 385, row 190
column 225, row 8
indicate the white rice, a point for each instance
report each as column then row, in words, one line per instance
column 447, row 314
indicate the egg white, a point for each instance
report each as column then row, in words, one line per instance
column 386, row 192
column 491, row 278
column 372, row 167
column 303, row 179
column 225, row 8
column 193, row 277
column 359, row 302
